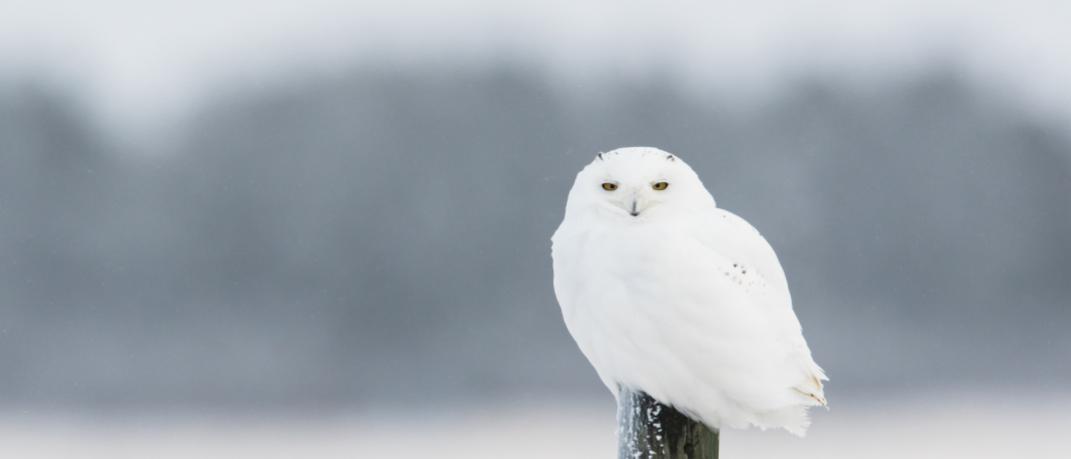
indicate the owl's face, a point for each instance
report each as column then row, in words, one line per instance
column 638, row 184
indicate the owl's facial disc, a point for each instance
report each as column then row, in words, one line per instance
column 634, row 196
column 638, row 184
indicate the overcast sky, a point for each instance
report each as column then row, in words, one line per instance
column 146, row 61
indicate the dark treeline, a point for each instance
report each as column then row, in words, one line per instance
column 384, row 237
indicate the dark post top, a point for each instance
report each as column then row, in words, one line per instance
column 647, row 429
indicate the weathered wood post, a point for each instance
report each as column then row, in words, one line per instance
column 647, row 429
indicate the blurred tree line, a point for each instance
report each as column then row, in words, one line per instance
column 383, row 236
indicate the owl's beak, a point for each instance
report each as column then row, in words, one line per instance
column 634, row 212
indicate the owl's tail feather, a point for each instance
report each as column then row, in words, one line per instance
column 813, row 387
column 818, row 397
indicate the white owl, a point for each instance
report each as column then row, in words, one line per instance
column 666, row 293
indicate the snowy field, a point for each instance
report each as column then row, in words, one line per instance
column 977, row 428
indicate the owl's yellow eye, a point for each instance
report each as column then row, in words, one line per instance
column 609, row 186
column 660, row 186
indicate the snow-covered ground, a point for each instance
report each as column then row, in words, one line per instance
column 975, row 427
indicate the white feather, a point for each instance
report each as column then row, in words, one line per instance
column 684, row 301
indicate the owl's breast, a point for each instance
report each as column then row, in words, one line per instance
column 643, row 281
column 651, row 265
column 636, row 299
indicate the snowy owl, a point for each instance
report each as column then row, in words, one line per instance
column 666, row 293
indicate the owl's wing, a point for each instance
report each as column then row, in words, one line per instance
column 735, row 239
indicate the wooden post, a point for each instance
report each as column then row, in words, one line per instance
column 647, row 429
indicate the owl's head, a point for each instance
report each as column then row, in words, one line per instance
column 637, row 183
